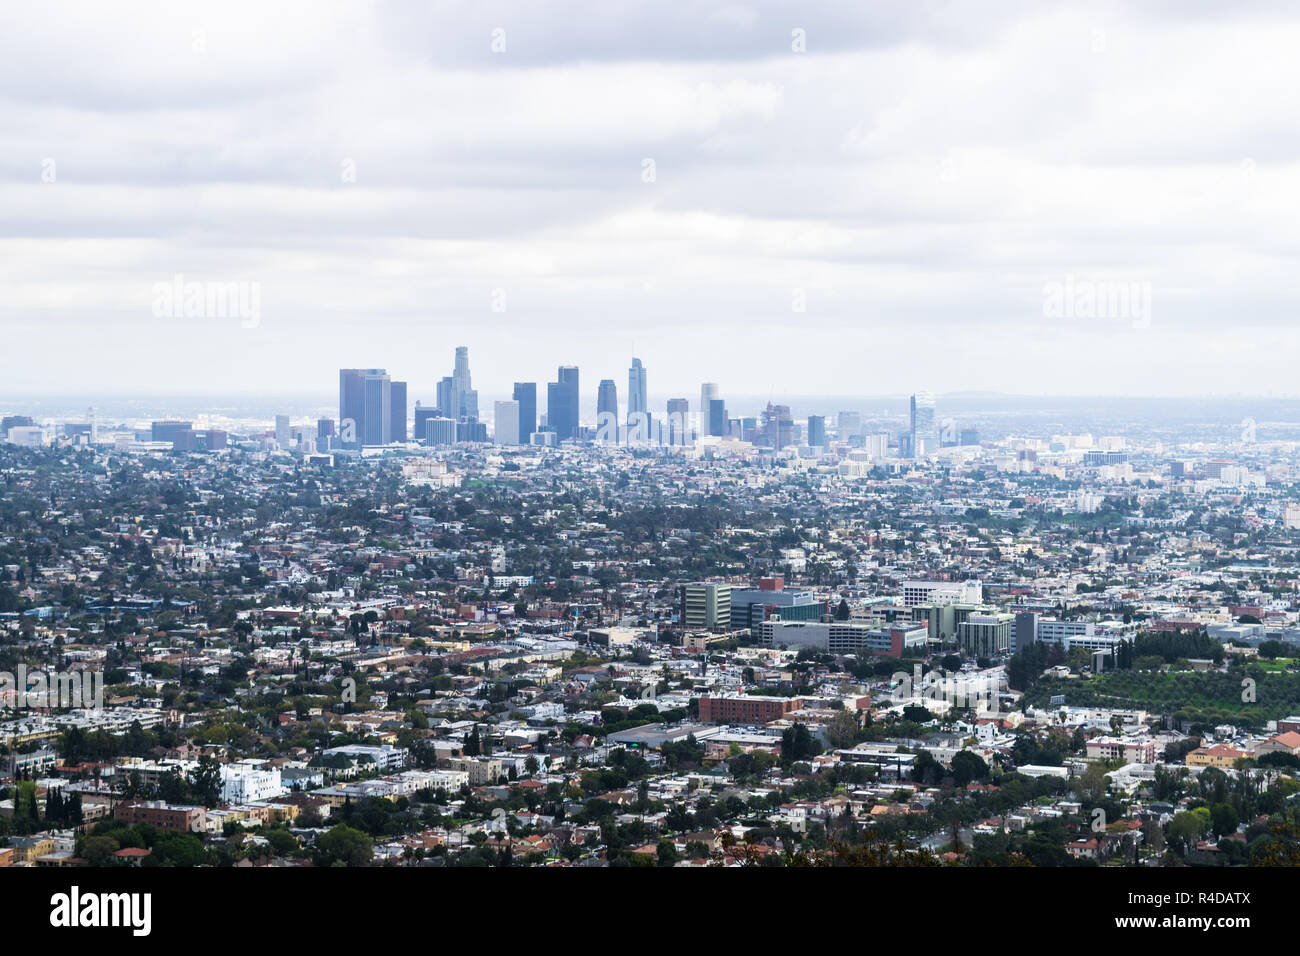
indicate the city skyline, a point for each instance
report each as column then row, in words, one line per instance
column 583, row 436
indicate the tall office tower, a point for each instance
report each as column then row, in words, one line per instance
column 282, row 430
column 562, row 403
column 365, row 407
column 607, row 398
column 526, row 395
column 717, row 417
column 778, row 426
column 422, row 416
column 379, row 408
column 607, row 412
column 678, row 427
column 708, row 394
column 94, row 427
column 849, row 425
column 817, row 431
column 352, row 405
column 444, row 397
column 324, row 432
column 922, row 431
column 397, row 412
column 439, row 431
column 464, row 399
column 636, row 389
column 704, row 605
column 556, row 402
column 506, row 423
column 568, row 377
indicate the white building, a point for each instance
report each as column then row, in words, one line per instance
column 942, row 592
column 28, row 436
column 386, row 758
column 506, row 423
column 244, row 784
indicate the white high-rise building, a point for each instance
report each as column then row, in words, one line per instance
column 506, row 418
column 708, row 392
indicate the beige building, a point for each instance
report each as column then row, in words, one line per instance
column 1222, row 756
column 481, row 770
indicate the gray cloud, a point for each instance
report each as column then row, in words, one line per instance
column 916, row 179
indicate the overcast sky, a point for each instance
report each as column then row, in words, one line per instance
column 825, row 198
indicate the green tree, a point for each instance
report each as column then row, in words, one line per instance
column 968, row 767
column 1224, row 819
column 842, row 731
column 206, row 782
column 666, row 853
column 346, row 846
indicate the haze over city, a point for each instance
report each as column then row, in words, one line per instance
column 822, row 200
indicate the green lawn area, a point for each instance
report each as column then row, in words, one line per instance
column 1200, row 695
column 1277, row 664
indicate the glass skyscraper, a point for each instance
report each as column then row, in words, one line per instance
column 923, row 436
column 372, row 407
column 525, row 394
column 463, row 398
column 607, row 398
column 562, row 403
column 636, row 389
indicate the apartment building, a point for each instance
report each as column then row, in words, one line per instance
column 1129, row 749
column 172, row 817
column 245, row 784
column 480, row 770
column 745, row 708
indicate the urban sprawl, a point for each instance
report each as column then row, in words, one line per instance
column 438, row 635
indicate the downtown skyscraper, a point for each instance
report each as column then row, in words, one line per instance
column 678, row 430
column 525, row 393
column 457, row 397
column 372, row 408
column 505, row 422
column 607, row 411
column 708, row 392
column 607, row 398
column 922, row 435
column 636, row 390
column 562, row 403
column 816, row 436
